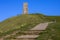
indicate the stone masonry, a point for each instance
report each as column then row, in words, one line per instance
column 25, row 8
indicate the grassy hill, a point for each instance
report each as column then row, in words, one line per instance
column 26, row 22
column 20, row 22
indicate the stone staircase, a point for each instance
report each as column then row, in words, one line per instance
column 31, row 34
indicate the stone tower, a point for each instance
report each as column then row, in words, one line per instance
column 25, row 8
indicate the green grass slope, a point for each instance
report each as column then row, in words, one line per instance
column 53, row 30
column 21, row 22
column 25, row 22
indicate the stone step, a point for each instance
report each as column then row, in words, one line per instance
column 24, row 37
column 27, row 36
column 31, row 32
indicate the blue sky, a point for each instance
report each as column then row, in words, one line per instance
column 9, row 8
